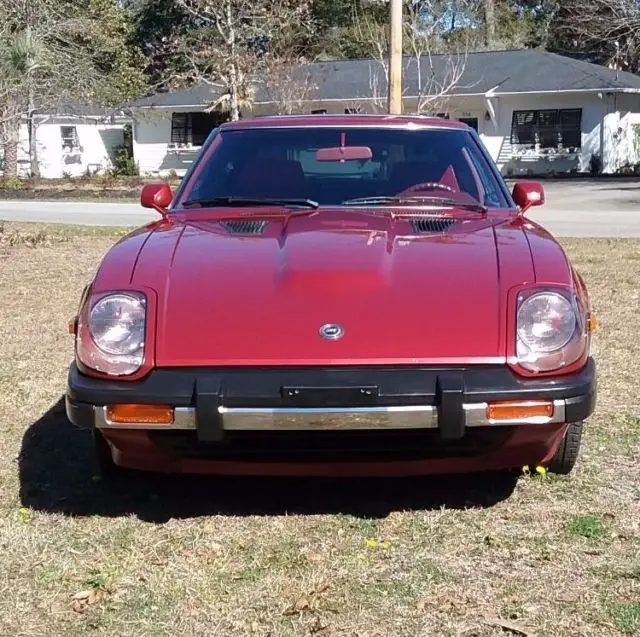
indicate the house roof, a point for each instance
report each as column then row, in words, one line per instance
column 513, row 71
column 80, row 110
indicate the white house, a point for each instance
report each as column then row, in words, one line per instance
column 536, row 112
column 72, row 141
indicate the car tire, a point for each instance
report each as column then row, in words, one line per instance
column 568, row 451
column 108, row 470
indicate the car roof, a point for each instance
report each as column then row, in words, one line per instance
column 374, row 121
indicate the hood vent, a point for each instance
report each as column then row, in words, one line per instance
column 245, row 226
column 429, row 225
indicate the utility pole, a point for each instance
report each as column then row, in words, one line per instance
column 489, row 24
column 395, row 61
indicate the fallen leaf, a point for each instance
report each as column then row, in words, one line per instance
column 608, row 516
column 322, row 588
column 317, row 626
column 301, row 604
column 83, row 594
column 83, row 599
column 510, row 627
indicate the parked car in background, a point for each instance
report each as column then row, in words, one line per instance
column 336, row 295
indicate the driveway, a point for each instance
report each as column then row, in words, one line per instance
column 580, row 208
column 586, row 208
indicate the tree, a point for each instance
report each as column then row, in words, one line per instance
column 234, row 41
column 289, row 85
column 11, row 108
column 604, row 31
column 436, row 69
column 157, row 26
column 66, row 52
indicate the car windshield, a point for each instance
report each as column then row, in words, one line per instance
column 345, row 166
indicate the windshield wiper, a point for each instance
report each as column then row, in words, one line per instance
column 399, row 200
column 240, row 202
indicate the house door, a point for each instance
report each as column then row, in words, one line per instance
column 470, row 121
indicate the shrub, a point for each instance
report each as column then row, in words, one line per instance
column 11, row 183
column 124, row 165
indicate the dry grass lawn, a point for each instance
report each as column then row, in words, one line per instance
column 481, row 557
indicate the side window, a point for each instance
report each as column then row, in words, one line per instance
column 493, row 196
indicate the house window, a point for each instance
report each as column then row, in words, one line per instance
column 550, row 128
column 69, row 136
column 194, row 128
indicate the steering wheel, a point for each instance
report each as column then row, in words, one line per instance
column 427, row 185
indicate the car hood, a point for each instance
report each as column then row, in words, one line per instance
column 252, row 292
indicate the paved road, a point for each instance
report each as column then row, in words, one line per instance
column 573, row 209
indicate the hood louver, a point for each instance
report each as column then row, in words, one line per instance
column 245, row 227
column 427, row 225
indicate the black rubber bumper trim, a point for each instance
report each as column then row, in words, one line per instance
column 263, row 386
column 447, row 388
column 80, row 414
column 449, row 398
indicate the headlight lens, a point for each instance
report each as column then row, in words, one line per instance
column 111, row 334
column 546, row 322
column 550, row 332
column 117, row 324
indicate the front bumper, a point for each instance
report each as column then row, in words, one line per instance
column 212, row 402
column 334, row 421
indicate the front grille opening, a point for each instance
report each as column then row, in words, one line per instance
column 245, row 226
column 327, row 446
column 424, row 225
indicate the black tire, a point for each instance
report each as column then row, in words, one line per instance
column 568, row 452
column 108, row 470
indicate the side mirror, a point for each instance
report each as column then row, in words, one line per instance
column 527, row 194
column 156, row 196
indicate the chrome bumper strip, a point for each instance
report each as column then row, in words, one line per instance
column 297, row 418
column 332, row 418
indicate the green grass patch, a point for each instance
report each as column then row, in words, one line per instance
column 592, row 527
column 626, row 617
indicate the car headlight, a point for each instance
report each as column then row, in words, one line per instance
column 117, row 324
column 111, row 337
column 550, row 331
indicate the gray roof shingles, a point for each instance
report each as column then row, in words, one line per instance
column 515, row 71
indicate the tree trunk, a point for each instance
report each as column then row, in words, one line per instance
column 489, row 24
column 31, row 126
column 234, row 89
column 10, row 159
column 234, row 104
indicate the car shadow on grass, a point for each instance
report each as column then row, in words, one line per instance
column 57, row 475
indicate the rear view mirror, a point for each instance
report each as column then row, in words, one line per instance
column 157, row 196
column 527, row 194
column 344, row 153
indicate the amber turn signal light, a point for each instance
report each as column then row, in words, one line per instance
column 520, row 410
column 592, row 323
column 132, row 414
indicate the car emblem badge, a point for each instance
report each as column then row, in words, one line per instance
column 331, row 331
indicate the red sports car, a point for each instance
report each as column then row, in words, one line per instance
column 336, row 295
